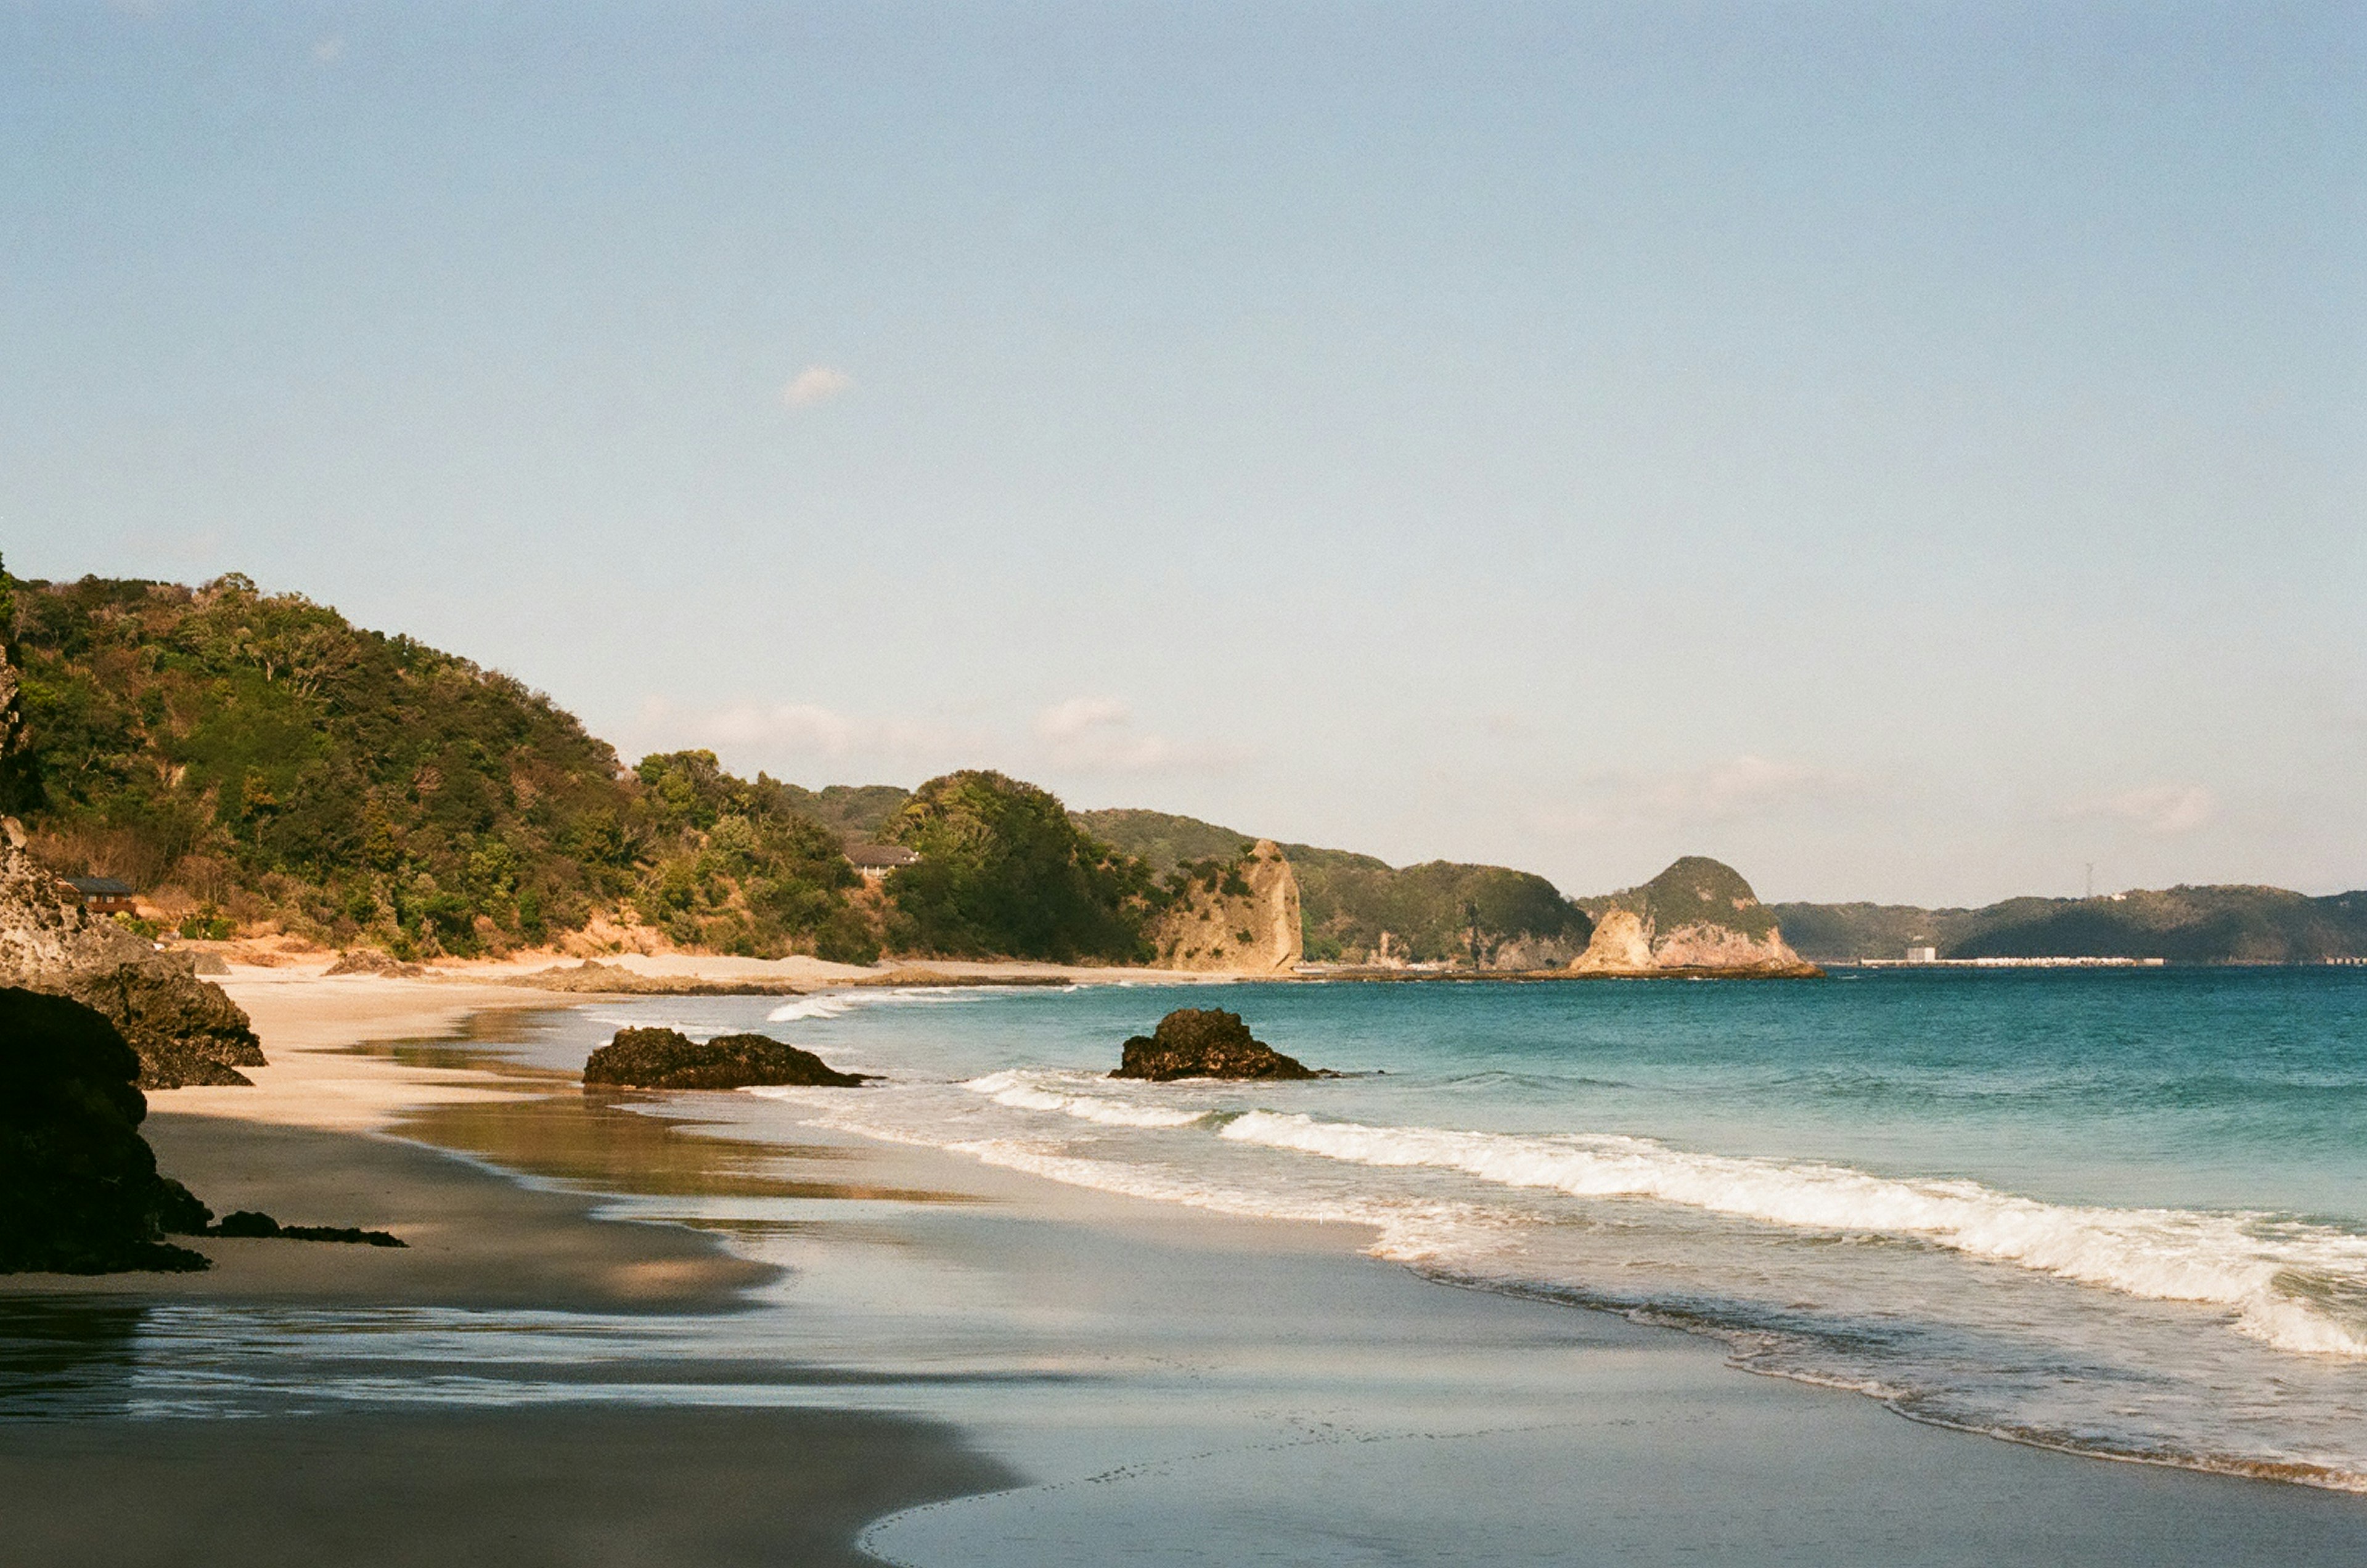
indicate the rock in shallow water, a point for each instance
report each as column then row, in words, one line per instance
column 79, row 1193
column 667, row 1059
column 1197, row 1042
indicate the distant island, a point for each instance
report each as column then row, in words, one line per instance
column 223, row 763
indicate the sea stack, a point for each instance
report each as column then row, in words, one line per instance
column 1196, row 1042
column 1698, row 918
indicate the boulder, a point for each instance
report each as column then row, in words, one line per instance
column 667, row 1059
column 79, row 1192
column 1197, row 1042
column 184, row 1029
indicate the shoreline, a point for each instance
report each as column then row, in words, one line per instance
column 908, row 1252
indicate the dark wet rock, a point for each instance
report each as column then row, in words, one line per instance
column 254, row 1224
column 79, row 1192
column 667, row 1059
column 184, row 1029
column 1197, row 1043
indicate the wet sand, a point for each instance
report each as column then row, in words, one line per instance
column 570, row 1486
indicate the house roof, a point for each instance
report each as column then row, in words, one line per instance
column 880, row 855
column 99, row 886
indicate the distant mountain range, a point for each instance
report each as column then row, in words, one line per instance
column 2183, row 925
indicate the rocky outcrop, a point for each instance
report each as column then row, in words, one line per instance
column 592, row 979
column 184, row 1029
column 1242, row 919
column 1196, row 1042
column 79, row 1192
column 667, row 1059
column 1698, row 918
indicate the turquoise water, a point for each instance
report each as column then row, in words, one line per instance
column 2122, row 1212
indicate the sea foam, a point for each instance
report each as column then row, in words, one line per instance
column 2285, row 1280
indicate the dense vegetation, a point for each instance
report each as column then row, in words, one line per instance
column 1440, row 911
column 255, row 758
column 2184, row 925
column 1693, row 890
column 1004, row 870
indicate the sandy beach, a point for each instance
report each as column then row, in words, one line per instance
column 956, row 1363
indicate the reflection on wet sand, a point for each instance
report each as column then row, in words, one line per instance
column 66, row 1355
column 597, row 1140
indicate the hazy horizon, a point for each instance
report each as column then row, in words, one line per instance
column 1909, row 455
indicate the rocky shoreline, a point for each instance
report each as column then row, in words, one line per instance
column 186, row 1030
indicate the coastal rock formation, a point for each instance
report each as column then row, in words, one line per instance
column 1242, row 919
column 79, row 1193
column 667, row 1059
column 1196, row 1042
column 1699, row 917
column 184, row 1029
column 593, row 978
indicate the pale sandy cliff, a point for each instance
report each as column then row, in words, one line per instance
column 1697, row 917
column 1246, row 923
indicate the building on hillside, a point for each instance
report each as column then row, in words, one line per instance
column 876, row 861
column 102, row 894
column 1922, row 955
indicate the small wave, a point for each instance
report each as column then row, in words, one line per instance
column 2281, row 1278
column 1022, row 1094
column 830, row 1006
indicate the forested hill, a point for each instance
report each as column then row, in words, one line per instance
column 1437, row 912
column 2183, row 925
column 256, row 759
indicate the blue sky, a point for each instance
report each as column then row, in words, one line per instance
column 1910, row 451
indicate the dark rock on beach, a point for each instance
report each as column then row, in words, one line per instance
column 79, row 1192
column 254, row 1224
column 184, row 1029
column 665, row 1058
column 1197, row 1042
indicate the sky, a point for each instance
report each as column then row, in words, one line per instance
column 1911, row 451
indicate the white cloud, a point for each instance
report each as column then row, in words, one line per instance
column 1737, row 786
column 795, row 730
column 815, row 384
column 2166, row 810
column 1097, row 734
column 1080, row 717
column 1723, row 791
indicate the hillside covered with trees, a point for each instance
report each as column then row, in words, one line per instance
column 249, row 758
column 2183, row 925
column 1438, row 911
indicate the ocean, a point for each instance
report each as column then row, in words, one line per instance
column 2122, row 1214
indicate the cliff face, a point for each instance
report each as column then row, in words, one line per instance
column 1697, row 917
column 1247, row 922
column 186, row 1030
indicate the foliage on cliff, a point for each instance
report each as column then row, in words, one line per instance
column 1694, row 891
column 1004, row 871
column 1434, row 912
column 2183, row 925
column 224, row 746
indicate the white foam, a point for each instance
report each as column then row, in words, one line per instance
column 2231, row 1259
column 1022, row 1093
column 811, row 1007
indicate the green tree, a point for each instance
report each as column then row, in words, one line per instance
column 1003, row 871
